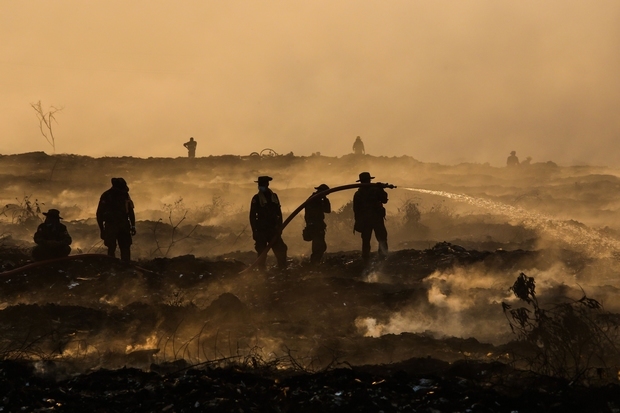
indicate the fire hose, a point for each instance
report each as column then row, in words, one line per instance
column 318, row 195
column 61, row 259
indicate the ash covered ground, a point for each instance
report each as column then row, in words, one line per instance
column 427, row 329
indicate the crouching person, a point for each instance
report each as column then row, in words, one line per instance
column 52, row 238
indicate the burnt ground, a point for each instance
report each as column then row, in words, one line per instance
column 182, row 329
column 192, row 334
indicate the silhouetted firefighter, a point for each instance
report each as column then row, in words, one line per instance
column 512, row 160
column 266, row 220
column 191, row 147
column 370, row 215
column 358, row 147
column 315, row 224
column 116, row 219
column 52, row 238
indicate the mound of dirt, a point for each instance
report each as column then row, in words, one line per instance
column 195, row 334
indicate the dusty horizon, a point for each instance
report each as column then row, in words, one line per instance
column 441, row 82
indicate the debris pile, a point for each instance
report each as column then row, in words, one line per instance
column 463, row 386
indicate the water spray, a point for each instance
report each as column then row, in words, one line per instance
column 578, row 235
column 318, row 195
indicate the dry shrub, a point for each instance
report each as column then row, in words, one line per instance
column 575, row 340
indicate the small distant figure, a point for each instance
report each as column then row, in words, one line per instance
column 116, row 219
column 315, row 224
column 191, row 147
column 266, row 220
column 527, row 161
column 52, row 238
column 512, row 160
column 358, row 147
column 369, row 214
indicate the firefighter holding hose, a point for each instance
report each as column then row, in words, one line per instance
column 369, row 214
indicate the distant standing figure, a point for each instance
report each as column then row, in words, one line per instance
column 52, row 238
column 369, row 214
column 116, row 219
column 512, row 160
column 266, row 220
column 191, row 147
column 315, row 224
column 358, row 147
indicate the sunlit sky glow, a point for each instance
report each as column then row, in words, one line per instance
column 442, row 81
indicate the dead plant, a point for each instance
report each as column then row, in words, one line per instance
column 173, row 237
column 23, row 210
column 411, row 213
column 574, row 340
column 341, row 220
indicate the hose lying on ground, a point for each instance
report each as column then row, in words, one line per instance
column 67, row 258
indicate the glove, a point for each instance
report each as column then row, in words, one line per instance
column 132, row 231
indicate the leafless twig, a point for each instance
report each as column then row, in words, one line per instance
column 46, row 119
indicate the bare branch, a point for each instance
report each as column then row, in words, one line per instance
column 46, row 119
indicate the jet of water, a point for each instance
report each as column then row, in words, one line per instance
column 573, row 233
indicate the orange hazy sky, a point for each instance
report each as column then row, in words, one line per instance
column 442, row 81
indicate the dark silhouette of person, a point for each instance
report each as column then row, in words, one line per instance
column 358, row 147
column 116, row 219
column 527, row 161
column 191, row 147
column 52, row 238
column 370, row 215
column 512, row 160
column 266, row 220
column 315, row 224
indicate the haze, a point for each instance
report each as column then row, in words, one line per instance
column 441, row 81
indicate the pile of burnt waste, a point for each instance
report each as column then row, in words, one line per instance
column 420, row 385
column 94, row 300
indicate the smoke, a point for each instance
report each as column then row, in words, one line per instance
column 468, row 82
column 534, row 207
column 459, row 302
column 177, row 316
column 466, row 302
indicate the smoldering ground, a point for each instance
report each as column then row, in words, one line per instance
column 453, row 259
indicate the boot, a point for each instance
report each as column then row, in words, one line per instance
column 125, row 255
column 383, row 249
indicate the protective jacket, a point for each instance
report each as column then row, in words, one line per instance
column 315, row 212
column 115, row 210
column 368, row 205
column 265, row 212
column 55, row 234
